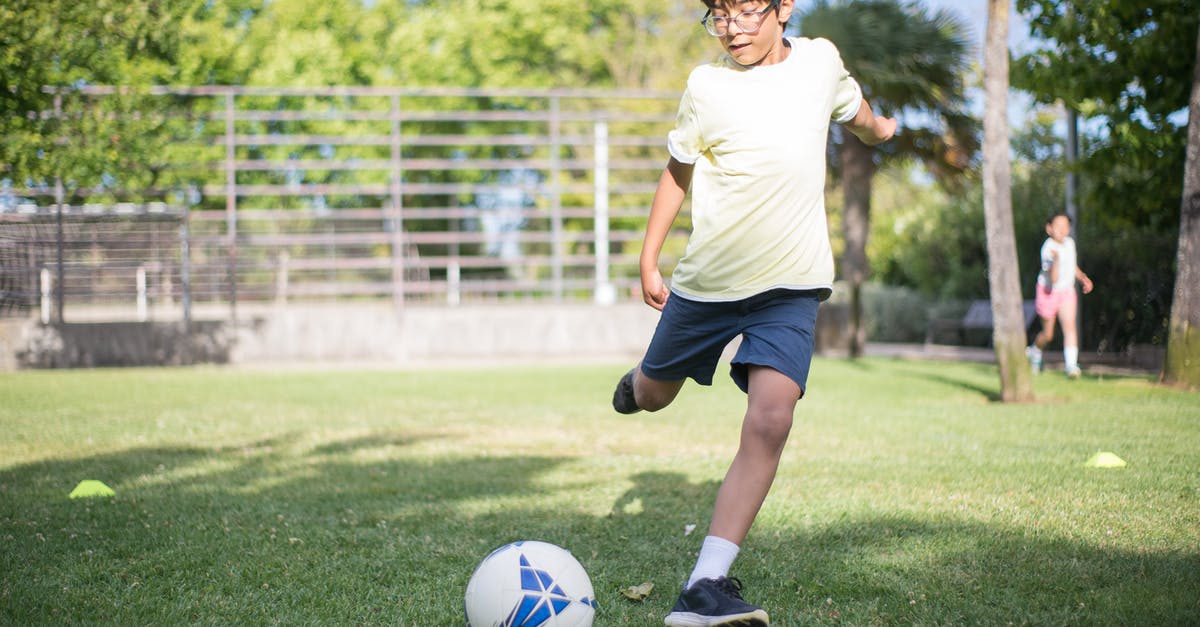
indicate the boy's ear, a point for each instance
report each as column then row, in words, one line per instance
column 785, row 9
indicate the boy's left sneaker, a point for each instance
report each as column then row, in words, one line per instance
column 1073, row 372
column 715, row 602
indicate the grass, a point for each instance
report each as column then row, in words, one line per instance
column 907, row 495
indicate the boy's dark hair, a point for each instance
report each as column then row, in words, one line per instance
column 1056, row 214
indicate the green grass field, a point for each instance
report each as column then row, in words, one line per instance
column 907, row 495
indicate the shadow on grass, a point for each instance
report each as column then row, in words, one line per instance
column 263, row 533
column 905, row 570
column 989, row 392
column 922, row 372
column 272, row 532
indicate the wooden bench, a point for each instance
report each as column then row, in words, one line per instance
column 977, row 320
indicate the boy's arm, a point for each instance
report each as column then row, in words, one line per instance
column 668, row 198
column 870, row 128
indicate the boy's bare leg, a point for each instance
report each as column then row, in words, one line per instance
column 771, row 402
column 652, row 394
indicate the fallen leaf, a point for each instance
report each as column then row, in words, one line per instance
column 638, row 593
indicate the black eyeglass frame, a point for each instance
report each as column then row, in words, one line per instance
column 709, row 21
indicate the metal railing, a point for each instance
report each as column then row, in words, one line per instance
column 413, row 195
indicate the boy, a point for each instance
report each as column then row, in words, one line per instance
column 750, row 141
column 1056, row 293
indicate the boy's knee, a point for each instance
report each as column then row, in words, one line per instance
column 652, row 402
column 770, row 425
column 653, row 395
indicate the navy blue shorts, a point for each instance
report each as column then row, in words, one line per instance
column 776, row 328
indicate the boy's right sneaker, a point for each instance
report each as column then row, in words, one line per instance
column 713, row 602
column 623, row 400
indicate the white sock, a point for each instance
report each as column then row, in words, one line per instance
column 716, row 556
column 1034, row 352
column 1071, row 355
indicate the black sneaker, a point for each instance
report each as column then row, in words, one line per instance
column 712, row 602
column 623, row 400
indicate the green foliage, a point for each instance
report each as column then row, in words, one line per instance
column 139, row 43
column 62, row 45
column 549, row 43
column 932, row 240
column 367, row 497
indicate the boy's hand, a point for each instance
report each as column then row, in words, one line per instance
column 870, row 128
column 653, row 291
column 886, row 128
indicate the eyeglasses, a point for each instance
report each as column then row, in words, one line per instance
column 747, row 21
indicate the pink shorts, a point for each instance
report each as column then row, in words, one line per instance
column 1048, row 303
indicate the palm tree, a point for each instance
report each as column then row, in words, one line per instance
column 1183, row 343
column 911, row 64
column 1008, row 328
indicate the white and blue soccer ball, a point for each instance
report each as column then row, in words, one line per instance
column 530, row 584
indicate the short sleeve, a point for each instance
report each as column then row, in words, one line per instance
column 684, row 141
column 1047, row 257
column 847, row 93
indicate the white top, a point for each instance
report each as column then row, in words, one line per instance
column 1066, row 263
column 757, row 137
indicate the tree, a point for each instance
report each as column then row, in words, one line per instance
column 910, row 64
column 1008, row 327
column 51, row 48
column 1183, row 346
column 542, row 43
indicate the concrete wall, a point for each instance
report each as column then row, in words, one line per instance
column 358, row 333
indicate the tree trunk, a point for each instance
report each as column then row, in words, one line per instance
column 1183, row 341
column 858, row 166
column 1008, row 319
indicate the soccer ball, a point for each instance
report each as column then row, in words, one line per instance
column 530, row 584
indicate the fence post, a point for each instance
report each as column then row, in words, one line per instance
column 453, row 284
column 397, row 207
column 605, row 294
column 142, row 305
column 556, row 220
column 185, row 268
column 231, row 203
column 44, row 277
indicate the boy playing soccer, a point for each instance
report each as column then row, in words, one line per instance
column 1056, row 293
column 750, row 142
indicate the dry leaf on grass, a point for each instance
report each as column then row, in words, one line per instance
column 638, row 593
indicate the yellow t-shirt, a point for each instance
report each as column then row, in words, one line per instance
column 757, row 137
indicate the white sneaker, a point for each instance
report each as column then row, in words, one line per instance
column 1073, row 372
column 1035, row 358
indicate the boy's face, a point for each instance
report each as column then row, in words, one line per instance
column 1059, row 228
column 763, row 46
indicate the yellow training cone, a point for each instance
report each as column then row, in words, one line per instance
column 91, row 487
column 1105, row 459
